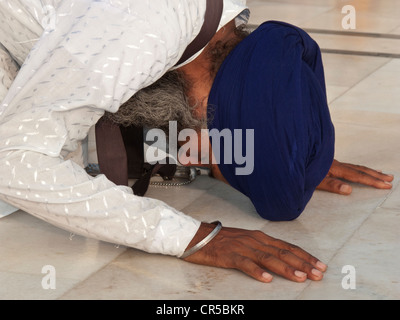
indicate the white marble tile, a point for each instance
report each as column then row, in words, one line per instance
column 22, row 286
column 365, row 45
column 262, row 11
column 372, row 252
column 371, row 119
column 348, row 70
column 375, row 147
column 224, row 203
column 342, row 72
column 322, row 3
column 333, row 92
column 395, row 31
column 368, row 22
column 137, row 275
column 384, row 9
column 393, row 201
column 371, row 16
column 367, row 120
column 28, row 244
column 328, row 221
column 380, row 92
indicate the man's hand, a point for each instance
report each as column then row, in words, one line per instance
column 253, row 253
column 353, row 173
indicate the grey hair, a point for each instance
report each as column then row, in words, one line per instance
column 156, row 105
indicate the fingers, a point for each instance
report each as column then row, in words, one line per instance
column 278, row 257
column 289, row 261
column 270, row 242
column 353, row 173
column 256, row 267
column 289, row 265
column 252, row 269
column 259, row 255
column 299, row 252
column 335, row 186
column 370, row 172
column 359, row 176
column 280, row 262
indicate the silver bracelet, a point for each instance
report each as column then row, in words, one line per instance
column 203, row 242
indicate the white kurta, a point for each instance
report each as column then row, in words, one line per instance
column 92, row 57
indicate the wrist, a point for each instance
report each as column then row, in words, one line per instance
column 204, row 235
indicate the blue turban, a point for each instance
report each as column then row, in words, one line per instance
column 273, row 82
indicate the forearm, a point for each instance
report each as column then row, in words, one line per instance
column 62, row 194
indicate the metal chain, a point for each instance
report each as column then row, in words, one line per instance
column 170, row 184
column 189, row 174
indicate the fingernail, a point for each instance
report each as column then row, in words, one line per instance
column 316, row 273
column 344, row 188
column 267, row 276
column 300, row 274
column 321, row 266
column 388, row 183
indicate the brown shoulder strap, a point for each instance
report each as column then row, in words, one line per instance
column 111, row 152
column 212, row 20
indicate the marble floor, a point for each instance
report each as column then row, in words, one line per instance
column 361, row 230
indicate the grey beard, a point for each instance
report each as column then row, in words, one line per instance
column 158, row 104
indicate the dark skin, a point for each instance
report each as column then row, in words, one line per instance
column 251, row 251
column 353, row 173
column 254, row 252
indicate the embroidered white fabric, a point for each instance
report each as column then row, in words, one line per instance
column 78, row 59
